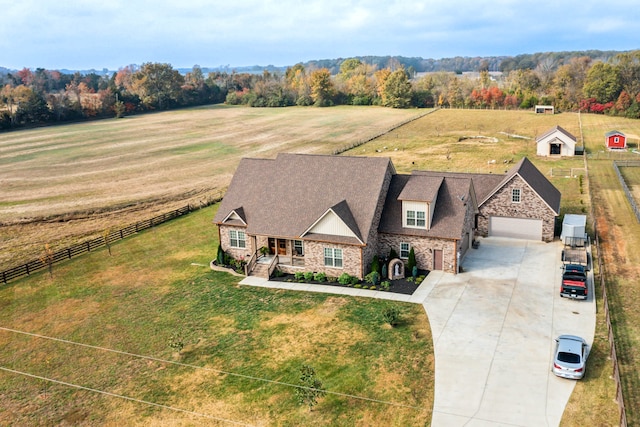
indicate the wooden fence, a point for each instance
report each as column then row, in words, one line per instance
column 625, row 187
column 610, row 335
column 78, row 249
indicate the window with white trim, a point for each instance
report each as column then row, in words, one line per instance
column 333, row 257
column 298, row 247
column 516, row 195
column 404, row 250
column 237, row 239
column 416, row 219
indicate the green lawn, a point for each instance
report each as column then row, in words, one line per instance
column 157, row 286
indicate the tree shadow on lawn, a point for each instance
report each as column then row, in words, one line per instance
column 406, row 286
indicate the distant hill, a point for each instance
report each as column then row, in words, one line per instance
column 549, row 60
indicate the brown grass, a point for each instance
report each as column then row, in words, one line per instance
column 64, row 183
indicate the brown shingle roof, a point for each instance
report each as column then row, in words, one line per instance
column 283, row 197
column 483, row 183
column 538, row 182
column 450, row 208
column 421, row 188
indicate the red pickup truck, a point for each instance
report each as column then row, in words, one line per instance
column 574, row 282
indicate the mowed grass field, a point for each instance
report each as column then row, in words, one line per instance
column 63, row 183
column 456, row 140
column 238, row 342
column 620, row 241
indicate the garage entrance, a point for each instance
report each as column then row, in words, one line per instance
column 515, row 228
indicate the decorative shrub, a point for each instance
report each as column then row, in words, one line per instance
column 308, row 276
column 393, row 254
column 375, row 264
column 278, row 272
column 419, row 279
column 373, row 278
column 354, row 280
column 373, row 288
column 299, row 276
column 357, row 286
column 220, row 257
column 411, row 262
column 320, row 277
column 385, row 285
column 332, row 279
column 384, row 271
column 344, row 279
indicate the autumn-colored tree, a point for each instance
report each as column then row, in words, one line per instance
column 568, row 82
column 624, row 101
column 381, row 77
column 397, row 90
column 157, row 85
column 297, row 84
column 322, row 89
column 602, row 83
column 627, row 65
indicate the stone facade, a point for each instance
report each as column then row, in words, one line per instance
column 531, row 206
column 423, row 248
column 236, row 253
column 372, row 247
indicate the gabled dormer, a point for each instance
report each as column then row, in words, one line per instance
column 235, row 217
column 338, row 220
column 418, row 198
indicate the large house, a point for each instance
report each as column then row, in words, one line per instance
column 333, row 214
column 556, row 142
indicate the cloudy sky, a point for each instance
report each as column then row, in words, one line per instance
column 84, row 34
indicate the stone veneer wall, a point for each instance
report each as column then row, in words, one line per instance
column 372, row 240
column 531, row 206
column 423, row 248
column 237, row 253
column 314, row 259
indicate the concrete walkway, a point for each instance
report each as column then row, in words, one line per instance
column 493, row 331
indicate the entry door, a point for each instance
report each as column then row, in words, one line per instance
column 272, row 246
column 437, row 259
column 282, row 247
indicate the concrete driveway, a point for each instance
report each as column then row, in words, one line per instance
column 493, row 330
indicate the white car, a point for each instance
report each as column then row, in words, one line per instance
column 569, row 360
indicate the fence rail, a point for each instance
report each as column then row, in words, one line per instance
column 87, row 246
column 625, row 187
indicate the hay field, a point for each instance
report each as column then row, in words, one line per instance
column 61, row 184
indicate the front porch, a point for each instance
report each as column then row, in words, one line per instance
column 272, row 253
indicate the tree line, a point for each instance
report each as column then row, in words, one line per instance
column 610, row 86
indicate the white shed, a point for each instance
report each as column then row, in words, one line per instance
column 556, row 142
column 574, row 230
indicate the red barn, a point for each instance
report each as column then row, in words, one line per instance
column 615, row 139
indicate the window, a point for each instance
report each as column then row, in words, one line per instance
column 515, row 195
column 237, row 239
column 404, row 250
column 333, row 257
column 298, row 248
column 411, row 218
column 416, row 219
column 616, row 139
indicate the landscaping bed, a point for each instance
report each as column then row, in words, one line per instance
column 406, row 286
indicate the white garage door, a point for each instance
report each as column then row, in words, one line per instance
column 516, row 228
